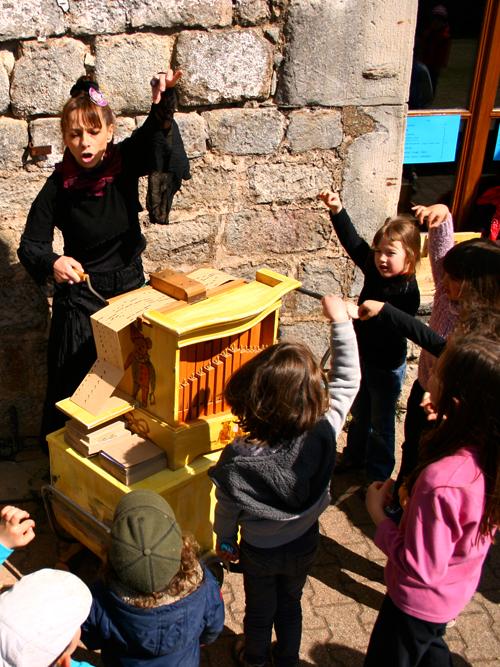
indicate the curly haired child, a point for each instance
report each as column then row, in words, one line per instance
column 158, row 603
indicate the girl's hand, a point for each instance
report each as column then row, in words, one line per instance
column 378, row 495
column 352, row 310
column 67, row 269
column 227, row 552
column 332, row 200
column 334, row 308
column 435, row 214
column 16, row 528
column 428, row 407
column 369, row 309
column 162, row 81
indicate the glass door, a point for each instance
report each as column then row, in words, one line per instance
column 451, row 148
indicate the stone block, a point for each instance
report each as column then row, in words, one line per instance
column 185, row 13
column 97, row 17
column 324, row 66
column 194, row 134
column 251, row 12
column 6, row 65
column 13, row 142
column 309, row 130
column 177, row 245
column 315, row 333
column 18, row 193
column 245, row 131
column 24, row 307
column 287, row 182
column 39, row 86
column 372, row 170
column 223, row 66
column 281, row 232
column 124, row 65
column 323, row 277
column 215, row 186
column 47, row 132
column 124, row 126
column 24, row 19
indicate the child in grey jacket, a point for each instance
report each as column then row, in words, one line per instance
column 273, row 484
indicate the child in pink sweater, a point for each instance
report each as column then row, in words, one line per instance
column 436, row 555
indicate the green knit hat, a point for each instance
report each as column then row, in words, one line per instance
column 146, row 542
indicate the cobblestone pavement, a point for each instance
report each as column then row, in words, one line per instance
column 340, row 599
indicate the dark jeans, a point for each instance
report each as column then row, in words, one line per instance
column 401, row 640
column 371, row 435
column 273, row 580
column 415, row 426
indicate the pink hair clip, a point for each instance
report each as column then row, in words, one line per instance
column 97, row 97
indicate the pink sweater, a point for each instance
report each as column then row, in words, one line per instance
column 443, row 318
column 434, row 559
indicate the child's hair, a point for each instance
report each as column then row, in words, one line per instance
column 402, row 228
column 91, row 113
column 477, row 263
column 468, row 373
column 187, row 578
column 278, row 394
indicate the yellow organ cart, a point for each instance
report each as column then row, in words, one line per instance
column 165, row 353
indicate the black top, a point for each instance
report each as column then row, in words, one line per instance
column 101, row 232
column 412, row 328
column 379, row 343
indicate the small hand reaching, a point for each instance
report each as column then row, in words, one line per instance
column 378, row 495
column 332, row 200
column 16, row 527
column 369, row 309
column 435, row 214
column 334, row 308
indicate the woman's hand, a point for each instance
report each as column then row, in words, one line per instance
column 162, row 81
column 67, row 270
column 332, row 200
column 378, row 495
column 435, row 214
column 369, row 309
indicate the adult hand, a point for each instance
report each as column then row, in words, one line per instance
column 162, row 81
column 334, row 308
column 428, row 407
column 67, row 270
column 435, row 214
column 369, row 309
column 16, row 527
column 378, row 495
column 331, row 199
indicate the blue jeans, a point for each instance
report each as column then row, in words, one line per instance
column 371, row 435
column 273, row 580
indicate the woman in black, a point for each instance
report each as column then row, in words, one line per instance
column 92, row 198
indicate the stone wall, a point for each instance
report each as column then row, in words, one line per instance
column 279, row 99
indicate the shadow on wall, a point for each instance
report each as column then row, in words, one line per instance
column 24, row 316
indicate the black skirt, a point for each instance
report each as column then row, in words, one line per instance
column 71, row 348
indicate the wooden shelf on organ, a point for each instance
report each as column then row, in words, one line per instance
column 171, row 359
